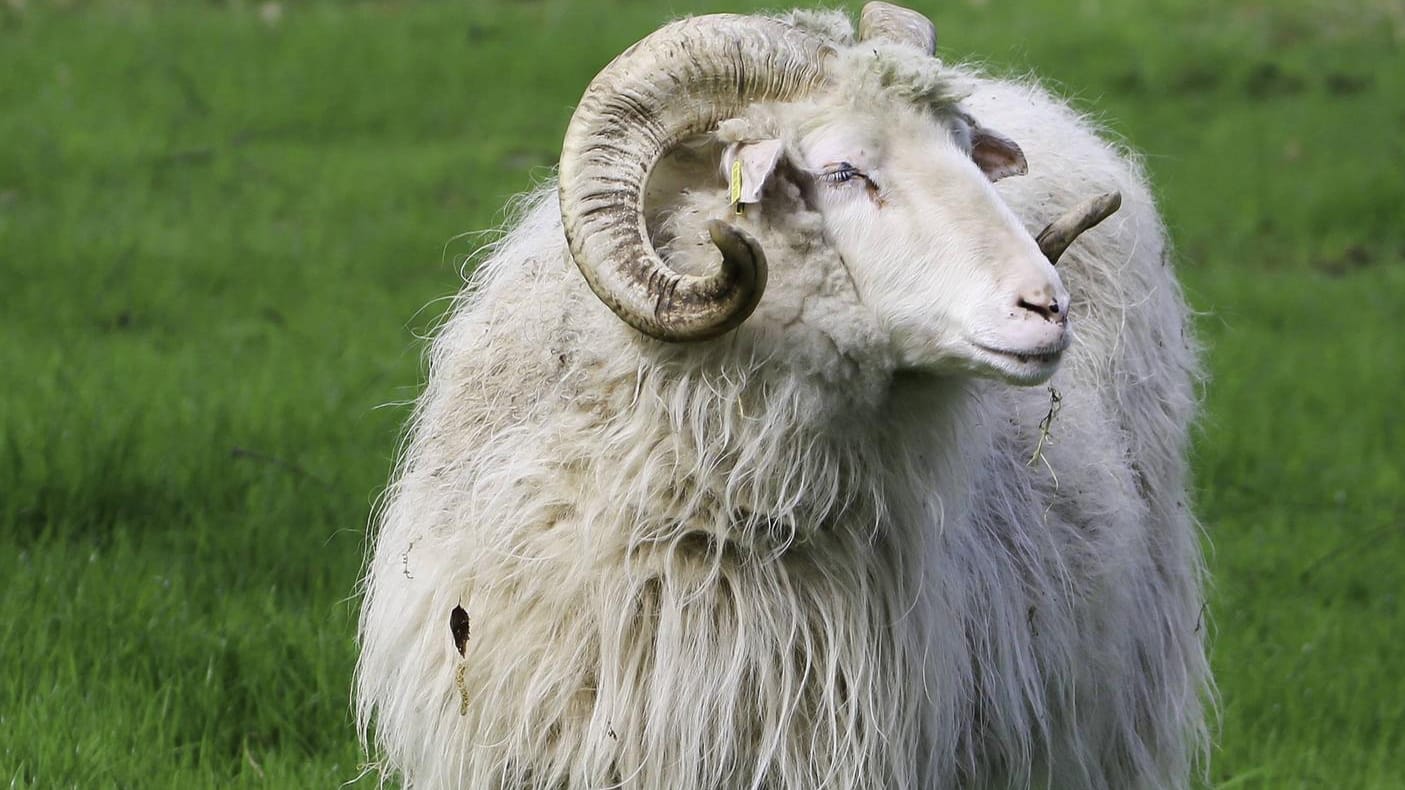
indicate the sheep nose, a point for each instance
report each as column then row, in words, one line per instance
column 1044, row 303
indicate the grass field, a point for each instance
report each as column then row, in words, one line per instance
column 220, row 228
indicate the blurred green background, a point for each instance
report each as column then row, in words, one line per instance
column 225, row 226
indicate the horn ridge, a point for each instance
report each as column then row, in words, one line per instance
column 889, row 22
column 681, row 80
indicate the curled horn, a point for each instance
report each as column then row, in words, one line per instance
column 897, row 24
column 1060, row 233
column 679, row 81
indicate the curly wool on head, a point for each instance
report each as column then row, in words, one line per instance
column 831, row 546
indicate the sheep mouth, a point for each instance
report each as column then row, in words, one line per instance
column 1022, row 366
column 1036, row 357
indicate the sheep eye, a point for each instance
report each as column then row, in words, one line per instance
column 839, row 173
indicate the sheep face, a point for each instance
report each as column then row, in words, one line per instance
column 899, row 174
column 955, row 282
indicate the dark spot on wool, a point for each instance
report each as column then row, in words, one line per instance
column 459, row 629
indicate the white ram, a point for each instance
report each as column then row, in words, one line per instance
column 694, row 536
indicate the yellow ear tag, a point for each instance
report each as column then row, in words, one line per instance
column 736, row 187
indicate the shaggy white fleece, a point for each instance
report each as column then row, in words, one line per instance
column 776, row 560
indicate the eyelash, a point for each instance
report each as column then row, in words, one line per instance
column 844, row 172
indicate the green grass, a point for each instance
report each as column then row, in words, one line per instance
column 217, row 236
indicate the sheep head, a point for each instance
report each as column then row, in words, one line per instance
column 878, row 143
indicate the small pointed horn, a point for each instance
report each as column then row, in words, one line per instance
column 898, row 25
column 1060, row 233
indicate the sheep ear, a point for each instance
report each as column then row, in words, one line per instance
column 747, row 166
column 995, row 154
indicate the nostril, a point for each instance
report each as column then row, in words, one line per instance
column 1046, row 308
